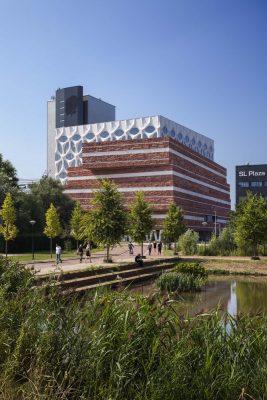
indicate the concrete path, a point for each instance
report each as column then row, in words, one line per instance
column 119, row 254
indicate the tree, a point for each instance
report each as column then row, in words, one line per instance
column 141, row 222
column 76, row 222
column 8, row 214
column 173, row 225
column 250, row 222
column 188, row 242
column 53, row 227
column 8, row 179
column 8, row 170
column 107, row 221
column 227, row 243
column 48, row 191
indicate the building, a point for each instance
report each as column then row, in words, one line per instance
column 70, row 108
column 25, row 184
column 161, row 157
column 251, row 178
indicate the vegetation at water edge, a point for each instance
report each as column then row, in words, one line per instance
column 113, row 345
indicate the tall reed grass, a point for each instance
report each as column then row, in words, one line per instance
column 180, row 282
column 114, row 346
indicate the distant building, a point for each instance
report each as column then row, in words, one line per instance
column 251, row 178
column 25, row 184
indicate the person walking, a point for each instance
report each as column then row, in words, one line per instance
column 130, row 247
column 58, row 254
column 149, row 247
column 155, row 246
column 80, row 252
column 159, row 248
column 88, row 252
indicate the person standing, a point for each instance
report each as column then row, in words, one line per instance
column 58, row 254
column 159, row 248
column 149, row 247
column 155, row 246
column 80, row 252
column 88, row 252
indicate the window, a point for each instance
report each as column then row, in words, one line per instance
column 243, row 184
column 209, row 218
column 256, row 184
column 265, row 183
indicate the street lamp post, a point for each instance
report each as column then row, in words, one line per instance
column 32, row 222
column 204, row 224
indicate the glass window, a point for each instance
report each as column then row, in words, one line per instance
column 265, row 183
column 243, row 184
column 256, row 184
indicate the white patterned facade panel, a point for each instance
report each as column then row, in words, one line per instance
column 69, row 140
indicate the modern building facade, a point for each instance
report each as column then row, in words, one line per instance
column 70, row 108
column 166, row 160
column 165, row 170
column 251, row 178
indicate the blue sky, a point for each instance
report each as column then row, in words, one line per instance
column 201, row 63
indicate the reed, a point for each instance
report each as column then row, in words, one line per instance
column 179, row 282
column 115, row 346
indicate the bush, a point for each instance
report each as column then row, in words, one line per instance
column 188, row 242
column 193, row 268
column 222, row 245
column 14, row 277
column 175, row 281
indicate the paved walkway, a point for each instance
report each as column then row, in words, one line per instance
column 119, row 254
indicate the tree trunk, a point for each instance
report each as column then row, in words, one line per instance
column 174, row 251
column 142, row 249
column 51, row 247
column 107, row 252
column 77, row 244
column 6, row 248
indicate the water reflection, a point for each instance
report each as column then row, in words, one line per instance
column 235, row 295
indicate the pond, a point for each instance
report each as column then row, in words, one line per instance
column 234, row 294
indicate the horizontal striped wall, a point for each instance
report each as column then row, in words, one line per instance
column 162, row 169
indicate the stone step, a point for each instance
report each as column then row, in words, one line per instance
column 113, row 283
column 111, row 277
column 87, row 280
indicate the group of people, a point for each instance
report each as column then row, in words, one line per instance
column 87, row 249
column 80, row 251
column 138, row 258
column 156, row 245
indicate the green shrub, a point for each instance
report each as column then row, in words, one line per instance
column 175, row 281
column 193, row 268
column 188, row 242
column 14, row 277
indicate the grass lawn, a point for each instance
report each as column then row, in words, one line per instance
column 45, row 255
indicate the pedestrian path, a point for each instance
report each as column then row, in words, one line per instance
column 120, row 254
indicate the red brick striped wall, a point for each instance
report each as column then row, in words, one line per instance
column 199, row 199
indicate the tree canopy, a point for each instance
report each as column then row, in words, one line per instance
column 76, row 222
column 173, row 224
column 108, row 218
column 8, row 215
column 53, row 227
column 250, row 222
column 141, row 222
